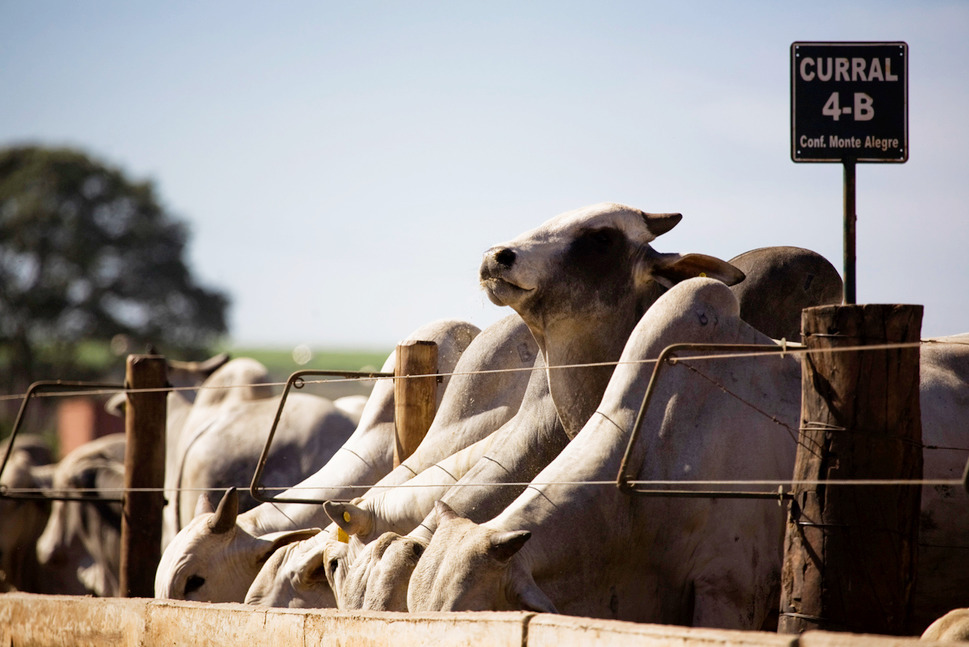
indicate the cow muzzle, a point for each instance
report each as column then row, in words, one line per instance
column 496, row 275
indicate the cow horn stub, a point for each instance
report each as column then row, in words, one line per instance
column 660, row 223
column 225, row 515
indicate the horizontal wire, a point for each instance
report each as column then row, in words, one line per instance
column 535, row 484
column 735, row 355
column 788, row 350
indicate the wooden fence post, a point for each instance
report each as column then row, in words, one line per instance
column 850, row 551
column 141, row 522
column 415, row 398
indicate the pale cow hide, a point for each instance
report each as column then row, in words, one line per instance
column 85, row 536
column 307, row 573
column 952, row 627
column 596, row 551
column 679, row 595
column 29, row 468
column 201, row 564
column 486, row 391
column 943, row 560
column 225, row 432
column 580, row 281
column 780, row 282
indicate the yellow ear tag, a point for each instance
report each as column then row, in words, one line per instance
column 341, row 535
column 703, row 274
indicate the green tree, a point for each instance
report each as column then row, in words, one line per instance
column 85, row 255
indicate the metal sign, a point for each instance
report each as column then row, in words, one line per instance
column 849, row 102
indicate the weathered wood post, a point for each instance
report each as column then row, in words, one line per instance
column 415, row 398
column 144, row 474
column 851, row 550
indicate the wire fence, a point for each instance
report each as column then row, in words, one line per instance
column 74, row 389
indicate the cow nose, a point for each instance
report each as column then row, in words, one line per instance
column 504, row 257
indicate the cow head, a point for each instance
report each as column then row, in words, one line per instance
column 581, row 282
column 377, row 578
column 468, row 567
column 214, row 537
column 303, row 574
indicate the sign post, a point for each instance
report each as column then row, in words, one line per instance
column 850, row 550
column 849, row 104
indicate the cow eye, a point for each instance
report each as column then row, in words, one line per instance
column 332, row 566
column 600, row 238
column 193, row 583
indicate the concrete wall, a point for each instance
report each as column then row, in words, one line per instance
column 28, row 620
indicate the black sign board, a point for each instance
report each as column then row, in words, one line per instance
column 849, row 102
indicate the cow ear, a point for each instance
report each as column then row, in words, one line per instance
column 274, row 541
column 327, row 562
column 314, row 569
column 445, row 512
column 352, row 519
column 526, row 594
column 504, row 545
column 660, row 223
column 670, row 269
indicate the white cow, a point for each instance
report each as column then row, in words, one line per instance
column 798, row 278
column 486, row 391
column 532, row 437
column 375, row 580
column 225, row 432
column 202, row 564
column 568, row 249
column 22, row 521
column 943, row 561
column 85, row 537
column 690, row 427
column 952, row 627
column 515, row 451
column 780, row 283
column 596, row 551
column 300, row 565
column 580, row 282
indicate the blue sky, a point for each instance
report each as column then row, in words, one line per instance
column 342, row 166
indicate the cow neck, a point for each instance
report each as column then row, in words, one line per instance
column 589, row 339
column 576, row 389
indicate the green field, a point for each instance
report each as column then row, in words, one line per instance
column 282, row 363
column 98, row 360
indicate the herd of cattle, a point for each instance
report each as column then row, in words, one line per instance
column 508, row 502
